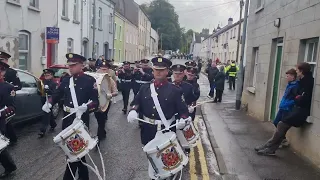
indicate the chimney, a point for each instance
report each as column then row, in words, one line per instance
column 230, row 21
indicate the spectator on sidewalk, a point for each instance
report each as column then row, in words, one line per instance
column 288, row 100
column 232, row 70
column 219, row 81
column 299, row 113
column 212, row 71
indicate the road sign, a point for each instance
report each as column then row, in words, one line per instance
column 52, row 35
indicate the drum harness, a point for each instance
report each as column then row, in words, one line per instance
column 72, row 111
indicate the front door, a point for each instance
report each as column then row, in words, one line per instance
column 276, row 80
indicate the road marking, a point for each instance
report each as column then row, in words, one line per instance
column 192, row 166
column 202, row 157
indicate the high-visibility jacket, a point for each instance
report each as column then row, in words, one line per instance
column 232, row 69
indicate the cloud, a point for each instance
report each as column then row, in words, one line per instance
column 198, row 14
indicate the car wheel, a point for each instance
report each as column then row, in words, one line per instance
column 55, row 110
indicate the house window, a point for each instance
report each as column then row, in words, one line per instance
column 120, row 54
column 260, row 4
column 227, row 35
column 310, row 54
column 114, row 53
column 110, row 23
column 92, row 15
column 65, row 8
column 115, row 30
column 70, row 45
column 100, row 18
column 255, row 66
column 24, row 50
column 75, row 10
column 120, row 33
column 231, row 33
column 34, row 3
column 96, row 48
column 16, row 1
column 235, row 30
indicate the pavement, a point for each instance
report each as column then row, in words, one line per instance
column 42, row 159
column 233, row 135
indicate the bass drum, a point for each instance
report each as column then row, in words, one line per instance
column 104, row 87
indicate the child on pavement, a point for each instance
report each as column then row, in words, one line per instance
column 287, row 101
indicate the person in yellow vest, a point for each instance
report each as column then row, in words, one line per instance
column 232, row 70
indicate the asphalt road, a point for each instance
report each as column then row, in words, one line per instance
column 41, row 159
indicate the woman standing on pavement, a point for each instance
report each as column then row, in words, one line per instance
column 219, row 84
column 299, row 114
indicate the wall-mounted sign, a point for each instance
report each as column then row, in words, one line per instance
column 52, row 35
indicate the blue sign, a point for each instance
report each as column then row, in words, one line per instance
column 52, row 35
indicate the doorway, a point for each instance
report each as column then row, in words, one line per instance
column 276, row 79
column 106, row 50
column 85, row 48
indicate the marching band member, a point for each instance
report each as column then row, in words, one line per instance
column 169, row 97
column 191, row 79
column 7, row 93
column 76, row 90
column 103, row 116
column 194, row 65
column 91, row 67
column 11, row 77
column 125, row 75
column 48, row 117
column 142, row 75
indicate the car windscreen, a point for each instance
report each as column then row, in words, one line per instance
column 58, row 72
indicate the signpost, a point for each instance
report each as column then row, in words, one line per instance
column 52, row 35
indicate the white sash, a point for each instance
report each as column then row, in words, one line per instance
column 73, row 93
column 165, row 122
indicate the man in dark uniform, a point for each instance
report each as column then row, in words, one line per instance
column 91, row 66
column 125, row 76
column 85, row 89
column 191, row 64
column 170, row 100
column 7, row 94
column 191, row 79
column 50, row 86
column 11, row 77
column 142, row 75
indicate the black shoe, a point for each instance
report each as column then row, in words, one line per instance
column 53, row 127
column 266, row 152
column 41, row 134
column 12, row 143
column 6, row 174
column 215, row 101
column 124, row 111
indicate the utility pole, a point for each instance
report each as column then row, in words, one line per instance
column 94, row 30
column 81, row 27
column 241, row 72
column 161, row 41
column 239, row 31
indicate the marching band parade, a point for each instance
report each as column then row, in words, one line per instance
column 164, row 102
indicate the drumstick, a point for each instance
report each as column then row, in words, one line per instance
column 75, row 111
column 169, row 127
column 142, row 120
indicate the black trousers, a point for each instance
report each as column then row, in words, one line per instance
column 101, row 119
column 82, row 169
column 218, row 97
column 211, row 93
column 10, row 133
column 125, row 96
column 46, row 120
column 193, row 115
column 232, row 82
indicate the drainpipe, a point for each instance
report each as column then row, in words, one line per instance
column 81, row 27
column 94, row 30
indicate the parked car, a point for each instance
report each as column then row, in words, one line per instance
column 59, row 70
column 30, row 98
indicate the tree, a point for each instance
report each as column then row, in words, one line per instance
column 165, row 20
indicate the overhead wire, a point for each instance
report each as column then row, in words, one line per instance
column 196, row 9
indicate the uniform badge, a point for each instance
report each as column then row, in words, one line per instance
column 70, row 56
column 12, row 93
column 159, row 59
column 76, row 143
column 95, row 86
column 170, row 157
column 182, row 98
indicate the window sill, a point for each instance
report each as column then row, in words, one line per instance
column 251, row 90
column 65, row 18
column 13, row 3
column 259, row 9
column 100, row 29
column 76, row 22
column 34, row 9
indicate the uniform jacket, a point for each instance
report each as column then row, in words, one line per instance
column 11, row 77
column 7, row 94
column 52, row 86
column 232, row 69
column 85, row 88
column 195, row 89
column 288, row 99
column 187, row 91
column 125, row 79
column 138, row 76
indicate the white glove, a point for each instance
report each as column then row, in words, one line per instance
column 109, row 96
column 181, row 123
column 191, row 109
column 46, row 107
column 81, row 109
column 132, row 116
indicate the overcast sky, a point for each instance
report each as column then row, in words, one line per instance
column 198, row 14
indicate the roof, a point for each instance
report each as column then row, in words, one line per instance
column 224, row 29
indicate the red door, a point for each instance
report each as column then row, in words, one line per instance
column 49, row 55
